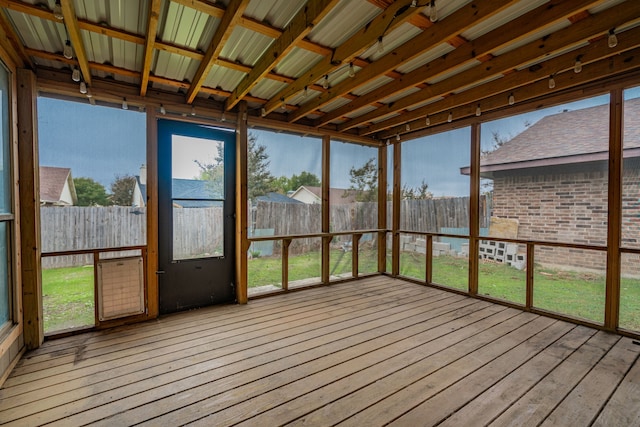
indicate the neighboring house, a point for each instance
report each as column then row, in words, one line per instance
column 140, row 190
column 273, row 197
column 56, row 187
column 553, row 179
column 313, row 195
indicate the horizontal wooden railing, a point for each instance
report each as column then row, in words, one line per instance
column 286, row 242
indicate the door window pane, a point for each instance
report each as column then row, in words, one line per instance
column 197, row 191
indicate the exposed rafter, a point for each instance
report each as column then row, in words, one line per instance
column 300, row 26
column 227, row 23
column 71, row 23
column 471, row 14
column 516, row 83
column 581, row 31
column 12, row 42
column 398, row 13
column 531, row 22
column 152, row 29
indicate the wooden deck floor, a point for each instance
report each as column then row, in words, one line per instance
column 373, row 352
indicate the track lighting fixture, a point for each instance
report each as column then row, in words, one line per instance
column 352, row 72
column 83, row 88
column 577, row 67
column 512, row 99
column 163, row 111
column 552, row 82
column 427, row 121
column 612, row 41
column 68, row 50
column 450, row 117
column 325, row 82
column 57, row 11
column 75, row 74
column 125, row 105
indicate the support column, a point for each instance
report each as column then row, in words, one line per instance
column 153, row 302
column 614, row 224
column 31, row 249
column 395, row 227
column 242, row 244
column 382, row 209
column 474, row 209
column 326, row 184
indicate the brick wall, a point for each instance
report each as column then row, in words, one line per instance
column 568, row 207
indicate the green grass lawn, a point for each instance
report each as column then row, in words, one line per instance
column 68, row 292
column 67, row 298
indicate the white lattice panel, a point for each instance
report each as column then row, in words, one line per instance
column 120, row 287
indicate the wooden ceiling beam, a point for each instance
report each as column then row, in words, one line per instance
column 12, row 44
column 152, row 30
column 348, row 50
column 461, row 20
column 579, row 32
column 301, row 25
column 569, row 86
column 540, row 17
column 227, row 23
column 516, row 82
column 71, row 23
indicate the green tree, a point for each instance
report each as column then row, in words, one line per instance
column 213, row 172
column 122, row 190
column 259, row 178
column 364, row 180
column 284, row 184
column 421, row 192
column 90, row 192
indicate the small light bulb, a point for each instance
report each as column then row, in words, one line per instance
column 512, row 99
column 612, row 41
column 552, row 82
column 223, row 118
column 89, row 93
column 427, row 121
column 68, row 50
column 577, row 67
column 325, row 82
column 75, row 75
column 407, row 127
column 125, row 105
column 163, row 111
column 193, row 110
column 263, row 112
column 352, row 72
column 414, row 3
column 397, row 137
column 57, row 11
column 305, row 93
column 283, row 106
column 478, row 111
column 83, row 87
column 433, row 11
column 388, row 141
column 380, row 45
column 450, row 117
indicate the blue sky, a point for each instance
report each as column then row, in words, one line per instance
column 102, row 142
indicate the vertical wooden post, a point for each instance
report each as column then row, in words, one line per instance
column 382, row 209
column 285, row 263
column 614, row 225
column 153, row 303
column 28, row 175
column 531, row 257
column 242, row 196
column 429, row 260
column 395, row 227
column 326, row 184
column 474, row 209
column 355, row 245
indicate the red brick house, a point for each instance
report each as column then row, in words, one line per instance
column 553, row 179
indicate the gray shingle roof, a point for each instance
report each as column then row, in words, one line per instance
column 52, row 181
column 568, row 134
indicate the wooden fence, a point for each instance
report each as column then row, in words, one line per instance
column 75, row 228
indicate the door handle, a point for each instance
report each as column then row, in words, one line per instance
column 160, row 272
